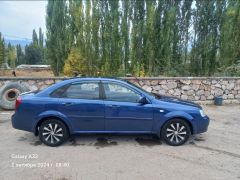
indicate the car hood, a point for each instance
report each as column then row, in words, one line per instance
column 179, row 101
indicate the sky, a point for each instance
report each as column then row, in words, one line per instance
column 19, row 18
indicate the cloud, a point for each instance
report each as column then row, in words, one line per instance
column 19, row 18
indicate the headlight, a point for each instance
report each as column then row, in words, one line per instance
column 202, row 113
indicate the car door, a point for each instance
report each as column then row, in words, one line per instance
column 81, row 104
column 123, row 113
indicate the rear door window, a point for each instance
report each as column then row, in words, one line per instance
column 85, row 90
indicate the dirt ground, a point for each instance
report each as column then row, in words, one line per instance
column 212, row 155
column 28, row 73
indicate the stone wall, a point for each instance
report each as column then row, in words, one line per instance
column 201, row 89
column 32, row 83
column 194, row 89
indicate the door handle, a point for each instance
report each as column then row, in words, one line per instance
column 112, row 106
column 67, row 103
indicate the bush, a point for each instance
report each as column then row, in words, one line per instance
column 75, row 63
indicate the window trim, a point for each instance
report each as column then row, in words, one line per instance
column 78, row 82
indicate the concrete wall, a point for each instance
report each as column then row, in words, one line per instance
column 200, row 89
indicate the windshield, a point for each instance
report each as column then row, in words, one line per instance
column 155, row 95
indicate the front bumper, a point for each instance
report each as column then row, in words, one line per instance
column 203, row 124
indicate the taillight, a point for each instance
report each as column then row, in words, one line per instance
column 18, row 102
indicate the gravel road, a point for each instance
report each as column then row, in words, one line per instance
column 212, row 155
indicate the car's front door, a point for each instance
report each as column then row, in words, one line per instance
column 122, row 110
column 81, row 104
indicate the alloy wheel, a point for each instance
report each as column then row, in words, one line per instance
column 53, row 132
column 175, row 132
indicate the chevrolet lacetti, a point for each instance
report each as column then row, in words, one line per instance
column 105, row 105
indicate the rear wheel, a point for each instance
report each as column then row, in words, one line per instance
column 175, row 132
column 53, row 132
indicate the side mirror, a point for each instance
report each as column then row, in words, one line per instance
column 143, row 100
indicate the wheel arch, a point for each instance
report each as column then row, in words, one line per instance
column 182, row 118
column 188, row 119
column 44, row 118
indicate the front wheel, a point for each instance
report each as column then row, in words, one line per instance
column 175, row 132
column 53, row 132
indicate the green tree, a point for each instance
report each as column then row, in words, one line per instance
column 95, row 26
column 150, row 37
column 40, row 37
column 75, row 63
column 58, row 41
column 35, row 38
column 125, row 33
column 20, row 55
column 230, row 35
column 105, row 28
column 11, row 56
column 204, row 51
column 184, row 29
column 114, row 41
column 2, row 50
column 41, row 45
column 88, row 37
column 34, row 52
column 137, row 53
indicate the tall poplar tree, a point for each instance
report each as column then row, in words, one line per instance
column 58, row 34
column 125, row 35
column 147, row 37
column 230, row 35
column 95, row 26
column 20, row 55
column 40, row 38
column 2, row 50
column 11, row 56
column 35, row 38
column 137, row 47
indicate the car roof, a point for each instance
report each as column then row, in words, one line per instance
column 94, row 79
column 78, row 79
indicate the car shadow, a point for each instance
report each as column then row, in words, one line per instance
column 108, row 140
column 99, row 140
column 103, row 140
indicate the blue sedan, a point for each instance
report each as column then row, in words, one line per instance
column 104, row 105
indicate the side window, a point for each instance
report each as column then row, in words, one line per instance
column 60, row 92
column 116, row 92
column 78, row 91
column 83, row 91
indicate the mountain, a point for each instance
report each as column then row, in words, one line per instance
column 22, row 42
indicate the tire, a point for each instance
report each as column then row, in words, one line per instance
column 175, row 132
column 9, row 94
column 53, row 132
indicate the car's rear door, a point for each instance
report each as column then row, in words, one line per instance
column 123, row 113
column 83, row 107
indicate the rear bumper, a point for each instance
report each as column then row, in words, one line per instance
column 14, row 122
column 18, row 124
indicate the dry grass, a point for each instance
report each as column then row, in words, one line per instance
column 28, row 73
